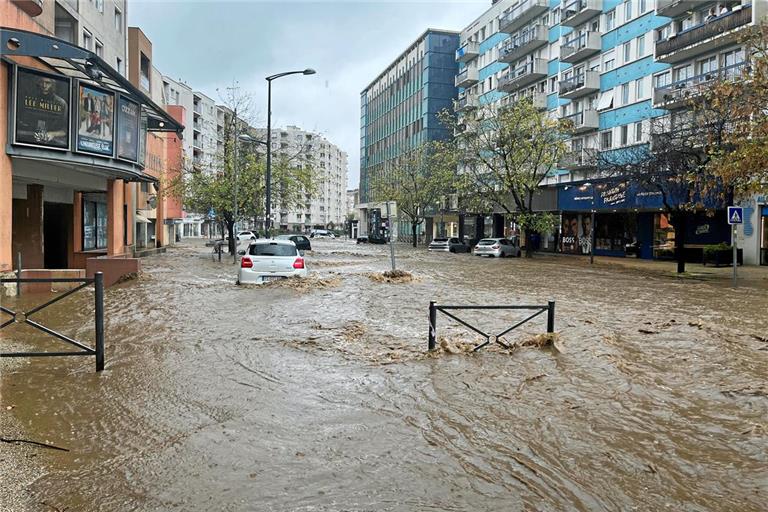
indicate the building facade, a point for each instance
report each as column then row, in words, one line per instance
column 398, row 112
column 74, row 135
column 326, row 206
column 611, row 67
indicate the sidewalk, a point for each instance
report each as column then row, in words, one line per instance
column 753, row 276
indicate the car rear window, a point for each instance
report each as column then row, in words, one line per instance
column 440, row 240
column 486, row 242
column 273, row 250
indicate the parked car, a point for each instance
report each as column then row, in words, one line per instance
column 246, row 235
column 448, row 245
column 302, row 242
column 321, row 233
column 268, row 260
column 498, row 247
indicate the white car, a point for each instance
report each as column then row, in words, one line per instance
column 268, row 260
column 498, row 247
column 448, row 245
column 321, row 233
column 246, row 235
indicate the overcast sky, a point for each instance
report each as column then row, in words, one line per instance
column 208, row 44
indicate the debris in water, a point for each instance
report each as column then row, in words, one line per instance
column 392, row 276
column 542, row 340
column 130, row 276
column 353, row 331
column 455, row 346
column 305, row 284
column 647, row 331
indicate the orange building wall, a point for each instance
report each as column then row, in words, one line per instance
column 174, row 162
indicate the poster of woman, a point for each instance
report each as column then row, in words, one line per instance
column 96, row 116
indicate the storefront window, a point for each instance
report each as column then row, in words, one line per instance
column 94, row 224
column 663, row 237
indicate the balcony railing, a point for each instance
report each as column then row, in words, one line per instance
column 578, row 159
column 674, row 8
column 521, row 76
column 466, row 101
column 538, row 99
column 468, row 51
column 580, row 85
column 683, row 91
column 466, row 77
column 523, row 43
column 583, row 121
column 576, row 12
column 700, row 33
column 521, row 14
column 580, row 47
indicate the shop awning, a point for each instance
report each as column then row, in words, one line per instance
column 140, row 218
column 75, row 62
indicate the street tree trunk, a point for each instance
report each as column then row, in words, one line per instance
column 679, row 223
column 232, row 240
column 413, row 232
column 528, row 244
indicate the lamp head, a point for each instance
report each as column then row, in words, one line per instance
column 309, row 71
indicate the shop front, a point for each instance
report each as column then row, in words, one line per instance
column 73, row 135
column 629, row 220
column 764, row 234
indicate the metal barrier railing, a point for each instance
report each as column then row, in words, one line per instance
column 23, row 317
column 539, row 309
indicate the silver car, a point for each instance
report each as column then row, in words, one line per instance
column 498, row 247
column 269, row 260
column 448, row 245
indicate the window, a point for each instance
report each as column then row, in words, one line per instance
column 606, row 140
column 624, row 135
column 87, row 40
column 639, row 131
column 100, row 5
column 610, row 20
column 99, row 49
column 639, row 92
column 94, row 225
column 707, row 65
column 625, row 94
column 605, row 101
column 608, row 64
column 640, row 43
column 663, row 79
column 627, row 50
column 683, row 73
column 643, row 6
column 628, row 10
column 118, row 20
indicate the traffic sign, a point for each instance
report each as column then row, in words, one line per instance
column 735, row 215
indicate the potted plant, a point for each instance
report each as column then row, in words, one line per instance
column 721, row 254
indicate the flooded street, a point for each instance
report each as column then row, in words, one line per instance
column 227, row 398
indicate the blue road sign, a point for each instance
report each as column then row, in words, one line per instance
column 735, row 215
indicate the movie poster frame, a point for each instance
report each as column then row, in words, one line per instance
column 138, row 129
column 76, row 94
column 14, row 98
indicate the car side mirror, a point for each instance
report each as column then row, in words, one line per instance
column 241, row 253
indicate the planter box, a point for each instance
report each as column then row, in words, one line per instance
column 724, row 258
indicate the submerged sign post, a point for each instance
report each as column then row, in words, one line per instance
column 735, row 217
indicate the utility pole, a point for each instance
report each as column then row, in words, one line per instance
column 235, row 163
column 391, row 241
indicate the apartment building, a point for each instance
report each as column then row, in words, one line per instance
column 398, row 112
column 326, row 206
column 74, row 134
column 611, row 67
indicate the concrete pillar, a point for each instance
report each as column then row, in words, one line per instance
column 130, row 194
column 498, row 225
column 161, row 234
column 479, row 227
column 461, row 227
column 115, row 202
column 6, row 179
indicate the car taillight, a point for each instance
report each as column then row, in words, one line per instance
column 246, row 263
column 496, row 246
column 299, row 263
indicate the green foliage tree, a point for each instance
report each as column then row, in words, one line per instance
column 419, row 179
column 504, row 155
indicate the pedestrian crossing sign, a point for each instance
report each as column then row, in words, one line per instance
column 735, row 215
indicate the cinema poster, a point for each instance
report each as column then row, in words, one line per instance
column 95, row 121
column 42, row 109
column 128, row 115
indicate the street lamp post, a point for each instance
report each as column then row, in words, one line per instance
column 268, row 209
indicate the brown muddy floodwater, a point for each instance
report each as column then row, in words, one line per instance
column 226, row 398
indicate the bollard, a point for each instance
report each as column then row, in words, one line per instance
column 432, row 325
column 18, row 274
column 99, row 284
column 551, row 316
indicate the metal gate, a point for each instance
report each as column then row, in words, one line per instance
column 23, row 317
column 489, row 338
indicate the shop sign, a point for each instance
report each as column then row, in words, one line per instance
column 128, row 114
column 42, row 110
column 95, row 120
